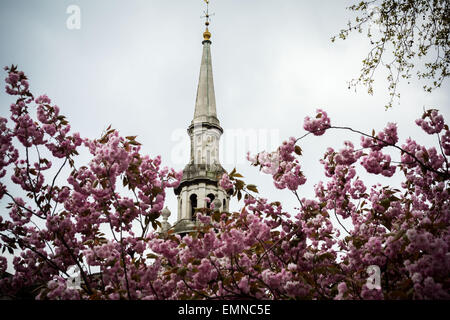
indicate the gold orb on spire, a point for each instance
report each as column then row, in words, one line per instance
column 207, row 34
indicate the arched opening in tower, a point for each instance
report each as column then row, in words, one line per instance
column 211, row 199
column 193, row 200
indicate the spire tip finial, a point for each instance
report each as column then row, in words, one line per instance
column 207, row 34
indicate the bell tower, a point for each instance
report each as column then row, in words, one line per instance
column 199, row 186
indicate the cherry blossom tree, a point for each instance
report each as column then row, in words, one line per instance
column 103, row 220
column 263, row 252
column 53, row 227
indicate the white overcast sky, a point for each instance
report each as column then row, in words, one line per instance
column 134, row 64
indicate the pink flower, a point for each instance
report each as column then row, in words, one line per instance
column 225, row 182
column 282, row 165
column 377, row 162
column 386, row 137
column 435, row 123
column 347, row 156
column 319, row 125
column 244, row 285
column 342, row 290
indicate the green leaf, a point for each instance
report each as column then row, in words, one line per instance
column 385, row 203
column 134, row 143
column 234, row 174
column 257, row 267
column 253, row 188
column 216, row 216
column 156, row 224
column 240, row 184
column 182, row 272
column 156, row 190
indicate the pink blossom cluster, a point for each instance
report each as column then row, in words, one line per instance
column 225, row 182
column 378, row 163
column 339, row 166
column 317, row 125
column 269, row 163
column 282, row 165
column 26, row 129
column 415, row 152
column 387, row 137
column 434, row 124
column 8, row 153
column 16, row 82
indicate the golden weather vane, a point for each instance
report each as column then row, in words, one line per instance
column 207, row 34
column 207, row 15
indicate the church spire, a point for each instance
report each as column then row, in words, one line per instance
column 199, row 186
column 205, row 105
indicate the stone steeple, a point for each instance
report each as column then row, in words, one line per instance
column 199, row 186
column 205, row 105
